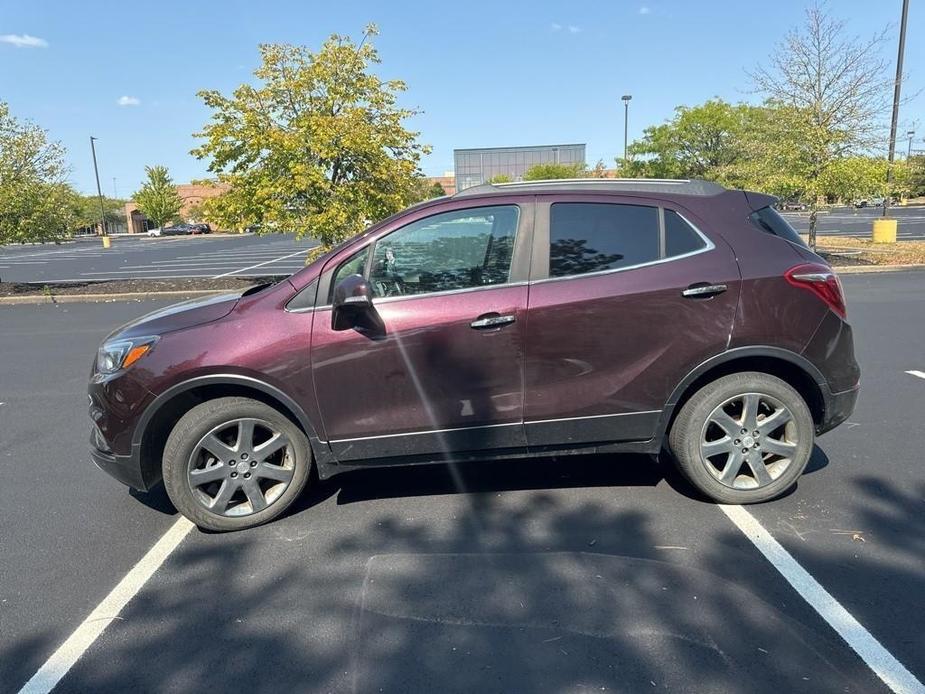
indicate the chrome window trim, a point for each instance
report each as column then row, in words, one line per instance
column 658, row 261
column 427, row 295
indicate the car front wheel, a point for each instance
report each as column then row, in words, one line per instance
column 233, row 463
column 744, row 438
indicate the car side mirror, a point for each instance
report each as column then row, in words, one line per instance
column 352, row 305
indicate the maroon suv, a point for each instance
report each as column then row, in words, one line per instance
column 510, row 320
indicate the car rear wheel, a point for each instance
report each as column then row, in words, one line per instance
column 233, row 463
column 744, row 438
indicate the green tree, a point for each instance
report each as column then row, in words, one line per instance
column 698, row 142
column 546, row 172
column 318, row 146
column 830, row 92
column 36, row 203
column 500, row 178
column 915, row 166
column 87, row 208
column 157, row 198
column 436, row 190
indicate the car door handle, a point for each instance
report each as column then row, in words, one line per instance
column 491, row 320
column 703, row 290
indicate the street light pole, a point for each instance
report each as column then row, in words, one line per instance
column 99, row 191
column 897, row 90
column 911, row 134
column 626, row 120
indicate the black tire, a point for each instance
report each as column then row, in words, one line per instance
column 692, row 425
column 205, row 418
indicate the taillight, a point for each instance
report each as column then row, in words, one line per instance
column 822, row 281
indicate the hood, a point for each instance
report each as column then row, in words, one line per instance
column 186, row 314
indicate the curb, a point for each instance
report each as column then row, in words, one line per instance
column 860, row 269
column 102, row 298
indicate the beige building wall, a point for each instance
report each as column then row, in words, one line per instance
column 192, row 195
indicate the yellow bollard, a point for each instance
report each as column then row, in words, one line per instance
column 884, row 230
column 107, row 242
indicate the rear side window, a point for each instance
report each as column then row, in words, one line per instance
column 768, row 220
column 591, row 237
column 680, row 237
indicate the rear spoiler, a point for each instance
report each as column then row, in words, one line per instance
column 758, row 200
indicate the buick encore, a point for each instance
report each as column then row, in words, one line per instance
column 524, row 319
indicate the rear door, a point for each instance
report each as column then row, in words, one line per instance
column 627, row 295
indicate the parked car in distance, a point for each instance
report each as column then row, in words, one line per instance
column 177, row 230
column 672, row 318
column 200, row 228
column 793, row 206
column 877, row 202
column 860, row 203
column 156, row 231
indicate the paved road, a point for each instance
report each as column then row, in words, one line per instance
column 601, row 573
column 846, row 221
column 154, row 258
column 250, row 256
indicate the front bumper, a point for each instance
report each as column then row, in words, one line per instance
column 125, row 468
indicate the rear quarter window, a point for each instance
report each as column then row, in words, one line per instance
column 768, row 220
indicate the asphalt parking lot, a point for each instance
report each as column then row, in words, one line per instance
column 141, row 257
column 847, row 221
column 599, row 573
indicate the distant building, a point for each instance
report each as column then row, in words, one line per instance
column 447, row 181
column 192, row 195
column 476, row 166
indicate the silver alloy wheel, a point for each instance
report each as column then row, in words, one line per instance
column 749, row 441
column 241, row 467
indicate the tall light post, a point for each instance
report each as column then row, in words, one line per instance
column 897, row 91
column 626, row 120
column 99, row 191
column 910, row 135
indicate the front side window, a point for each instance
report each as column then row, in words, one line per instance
column 462, row 249
column 354, row 265
column 591, row 237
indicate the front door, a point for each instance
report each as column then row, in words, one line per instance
column 627, row 298
column 443, row 372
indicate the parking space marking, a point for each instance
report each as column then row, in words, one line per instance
column 63, row 659
column 244, row 269
column 920, row 374
column 893, row 673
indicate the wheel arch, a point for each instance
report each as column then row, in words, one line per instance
column 165, row 411
column 790, row 367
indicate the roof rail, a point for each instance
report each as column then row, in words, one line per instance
column 610, row 185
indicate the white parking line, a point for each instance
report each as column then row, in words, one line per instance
column 920, row 374
column 243, row 269
column 881, row 661
column 63, row 659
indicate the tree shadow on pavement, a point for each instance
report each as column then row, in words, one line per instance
column 408, row 584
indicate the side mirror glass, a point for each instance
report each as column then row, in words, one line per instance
column 352, row 303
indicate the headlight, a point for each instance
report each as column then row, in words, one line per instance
column 120, row 354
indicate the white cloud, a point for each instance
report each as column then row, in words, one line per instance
column 555, row 26
column 129, row 101
column 23, row 41
column 572, row 29
column 644, row 10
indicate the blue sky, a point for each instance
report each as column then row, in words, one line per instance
column 484, row 73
